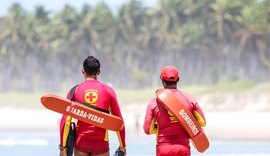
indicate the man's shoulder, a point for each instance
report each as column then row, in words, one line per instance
column 98, row 83
column 107, row 87
column 185, row 93
column 190, row 97
column 153, row 102
column 154, row 99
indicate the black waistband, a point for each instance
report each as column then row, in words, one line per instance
column 94, row 107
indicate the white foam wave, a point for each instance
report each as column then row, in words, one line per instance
column 24, row 142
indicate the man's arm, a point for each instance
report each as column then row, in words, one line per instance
column 199, row 115
column 64, row 131
column 149, row 125
column 196, row 109
column 115, row 109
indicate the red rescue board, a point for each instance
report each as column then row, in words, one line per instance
column 185, row 117
column 81, row 112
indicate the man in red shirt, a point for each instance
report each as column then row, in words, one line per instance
column 91, row 140
column 171, row 136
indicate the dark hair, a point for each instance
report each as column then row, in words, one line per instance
column 169, row 83
column 91, row 65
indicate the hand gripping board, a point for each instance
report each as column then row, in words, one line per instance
column 185, row 117
column 82, row 112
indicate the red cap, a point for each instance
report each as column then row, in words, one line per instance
column 169, row 73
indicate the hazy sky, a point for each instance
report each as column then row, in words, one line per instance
column 55, row 5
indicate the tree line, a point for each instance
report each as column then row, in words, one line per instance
column 209, row 41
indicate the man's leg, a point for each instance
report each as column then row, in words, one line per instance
column 103, row 154
column 88, row 147
column 165, row 150
column 79, row 153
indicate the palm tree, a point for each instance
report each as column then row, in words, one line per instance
column 95, row 35
column 62, row 28
column 252, row 35
column 131, row 39
column 12, row 45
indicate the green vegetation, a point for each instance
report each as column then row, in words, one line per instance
column 20, row 100
column 137, row 96
column 234, row 86
column 209, row 41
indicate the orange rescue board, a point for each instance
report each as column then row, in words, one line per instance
column 81, row 112
column 185, row 117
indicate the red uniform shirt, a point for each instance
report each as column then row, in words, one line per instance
column 169, row 130
column 101, row 95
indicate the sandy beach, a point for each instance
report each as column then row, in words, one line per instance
column 220, row 125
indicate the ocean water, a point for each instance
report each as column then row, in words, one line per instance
column 15, row 143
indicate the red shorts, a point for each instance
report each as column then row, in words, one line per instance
column 91, row 146
column 176, row 150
